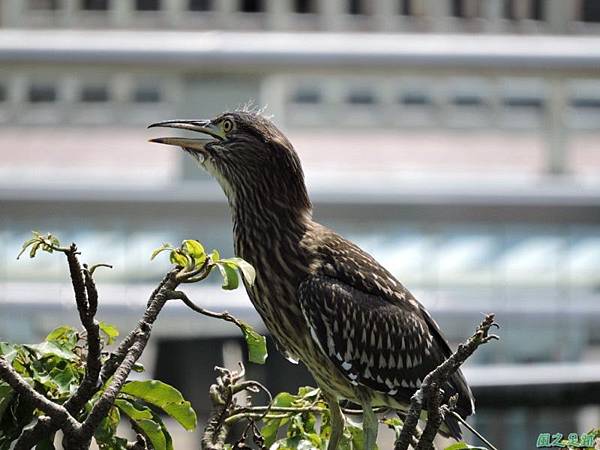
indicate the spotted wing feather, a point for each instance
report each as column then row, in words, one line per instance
column 359, row 312
column 372, row 342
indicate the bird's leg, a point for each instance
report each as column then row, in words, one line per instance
column 370, row 425
column 337, row 420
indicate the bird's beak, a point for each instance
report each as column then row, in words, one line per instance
column 200, row 126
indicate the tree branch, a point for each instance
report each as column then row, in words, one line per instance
column 79, row 435
column 132, row 354
column 430, row 388
column 57, row 413
column 227, row 317
column 89, row 385
column 118, row 355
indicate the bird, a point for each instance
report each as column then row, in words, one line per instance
column 325, row 301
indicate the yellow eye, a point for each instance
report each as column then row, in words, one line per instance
column 227, row 125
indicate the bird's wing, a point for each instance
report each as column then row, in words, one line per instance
column 371, row 327
column 372, row 342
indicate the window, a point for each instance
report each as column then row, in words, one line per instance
column 146, row 94
column 537, row 10
column 406, row 7
column 307, row 96
column 200, row 5
column 251, row 6
column 361, row 97
column 43, row 4
column 356, row 7
column 414, row 99
column 2, row 93
column 94, row 5
column 467, row 100
column 524, row 102
column 147, row 5
column 587, row 104
column 94, row 94
column 519, row 10
column 304, row 6
column 458, row 9
column 465, row 8
column 590, row 11
column 42, row 93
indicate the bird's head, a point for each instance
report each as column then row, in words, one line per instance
column 248, row 155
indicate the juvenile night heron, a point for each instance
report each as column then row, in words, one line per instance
column 326, row 302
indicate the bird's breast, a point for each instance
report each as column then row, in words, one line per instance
column 280, row 268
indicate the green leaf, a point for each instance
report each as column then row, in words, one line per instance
column 195, row 250
column 105, row 433
column 463, row 446
column 9, row 351
column 65, row 379
column 6, row 395
column 160, row 249
column 63, row 335
column 27, row 244
column 244, row 267
column 308, row 392
column 164, row 397
column 230, row 276
column 284, row 399
column 214, row 255
column 358, row 438
column 144, row 420
column 270, row 429
column 178, row 258
column 34, row 249
column 52, row 349
column 46, row 444
column 395, row 424
column 110, row 331
column 131, row 411
column 257, row 344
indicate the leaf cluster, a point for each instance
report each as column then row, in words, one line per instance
column 196, row 264
column 56, row 367
column 192, row 257
column 309, row 426
column 47, row 243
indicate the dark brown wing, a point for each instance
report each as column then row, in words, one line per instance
column 371, row 327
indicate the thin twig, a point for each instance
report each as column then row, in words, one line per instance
column 470, row 428
column 180, row 295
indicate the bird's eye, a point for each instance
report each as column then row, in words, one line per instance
column 227, row 125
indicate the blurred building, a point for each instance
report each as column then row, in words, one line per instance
column 457, row 141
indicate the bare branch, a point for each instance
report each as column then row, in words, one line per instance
column 132, row 354
column 434, row 417
column 95, row 266
column 118, row 355
column 432, row 383
column 179, row 295
column 89, row 385
column 35, row 433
